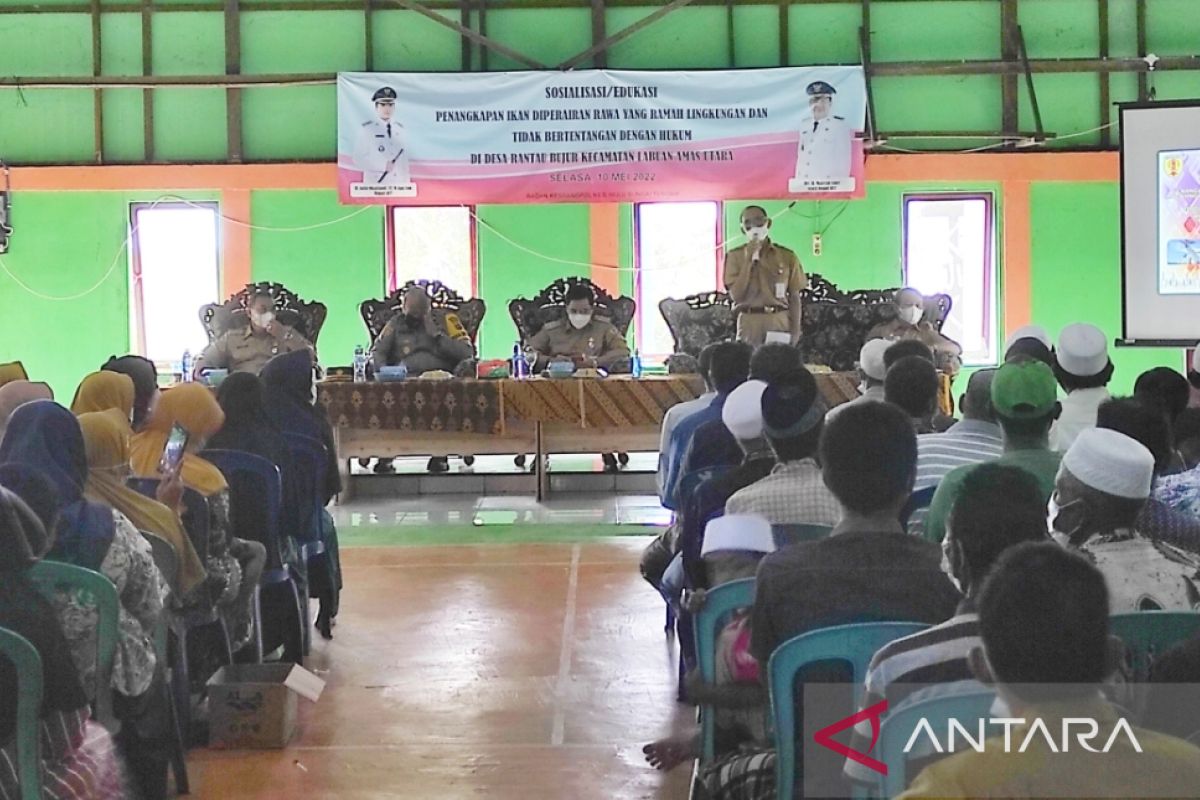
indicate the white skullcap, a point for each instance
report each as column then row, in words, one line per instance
column 1082, row 350
column 1029, row 332
column 1112, row 463
column 742, row 413
column 870, row 358
column 738, row 532
column 1196, row 359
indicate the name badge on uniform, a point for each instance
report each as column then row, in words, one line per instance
column 780, row 290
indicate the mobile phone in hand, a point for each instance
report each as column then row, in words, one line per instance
column 173, row 450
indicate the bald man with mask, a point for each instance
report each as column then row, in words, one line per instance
column 910, row 323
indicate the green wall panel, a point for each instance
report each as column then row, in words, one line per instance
column 935, row 29
column 506, row 270
column 312, row 41
column 1173, row 26
column 50, row 125
column 59, row 339
column 550, row 35
column 406, row 41
column 292, row 122
column 45, row 44
column 820, row 33
column 190, row 125
column 753, row 44
column 1060, row 28
column 188, row 43
column 340, row 264
column 691, row 38
column 959, row 103
column 1076, row 258
column 124, row 139
column 1081, row 114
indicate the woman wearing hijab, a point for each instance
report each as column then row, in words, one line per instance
column 17, row 393
column 12, row 371
column 234, row 565
column 102, row 391
column 106, row 441
column 145, row 382
column 290, row 399
column 45, row 436
column 78, row 758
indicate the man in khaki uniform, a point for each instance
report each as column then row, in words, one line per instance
column 414, row 338
column 909, row 324
column 248, row 349
column 582, row 338
column 764, row 281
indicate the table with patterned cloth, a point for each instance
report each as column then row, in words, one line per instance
column 451, row 406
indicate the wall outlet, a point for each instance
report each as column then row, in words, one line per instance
column 816, row 244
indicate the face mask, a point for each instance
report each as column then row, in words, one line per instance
column 312, row 396
column 946, row 566
column 1054, row 518
column 579, row 321
column 414, row 321
column 262, row 320
column 757, row 234
column 912, row 315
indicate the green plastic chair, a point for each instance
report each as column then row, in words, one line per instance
column 853, row 644
column 898, row 726
column 719, row 605
column 787, row 535
column 1147, row 634
column 51, row 576
column 28, row 664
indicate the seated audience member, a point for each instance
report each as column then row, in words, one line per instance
column 106, row 441
column 106, row 391
column 234, row 565
column 289, row 399
column 1146, row 425
column 12, row 371
column 1043, row 618
column 912, row 347
column 997, row 508
column 1193, row 377
column 977, row 438
column 910, row 323
column 248, row 349
column 1180, row 491
column 742, row 415
column 144, row 375
column 793, row 415
column 15, row 394
column 1083, row 369
column 912, row 385
column 1164, row 389
column 712, row 444
column 1025, row 399
column 868, row 570
column 1030, row 341
column 681, row 411
column 78, row 759
column 730, row 368
column 872, row 371
column 1101, row 489
column 581, row 338
column 414, row 338
column 1171, row 708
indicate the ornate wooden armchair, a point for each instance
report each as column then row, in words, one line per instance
column 443, row 300
column 834, row 325
column 307, row 317
column 550, row 304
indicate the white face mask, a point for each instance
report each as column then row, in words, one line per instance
column 912, row 315
column 946, row 567
column 579, row 321
column 262, row 320
column 757, row 234
column 312, row 398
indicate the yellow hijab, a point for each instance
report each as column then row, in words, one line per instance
column 194, row 407
column 12, row 371
column 106, row 441
column 102, row 391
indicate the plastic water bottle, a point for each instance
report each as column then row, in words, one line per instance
column 360, row 364
column 635, row 366
column 185, row 366
column 518, row 361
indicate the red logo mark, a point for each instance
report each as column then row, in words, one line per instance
column 824, row 737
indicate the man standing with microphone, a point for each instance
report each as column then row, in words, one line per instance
column 764, row 281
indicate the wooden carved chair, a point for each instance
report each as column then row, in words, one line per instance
column 550, row 304
column 443, row 300
column 307, row 317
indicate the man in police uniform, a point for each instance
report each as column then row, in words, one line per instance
column 248, row 349
column 589, row 342
column 824, row 151
column 910, row 324
column 414, row 338
column 381, row 152
column 764, row 281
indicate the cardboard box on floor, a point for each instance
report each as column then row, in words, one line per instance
column 254, row 705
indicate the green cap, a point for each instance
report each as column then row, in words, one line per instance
column 1024, row 390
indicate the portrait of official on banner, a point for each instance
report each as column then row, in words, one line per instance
column 600, row 135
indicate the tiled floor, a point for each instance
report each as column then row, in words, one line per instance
column 591, row 509
column 503, row 671
column 505, row 465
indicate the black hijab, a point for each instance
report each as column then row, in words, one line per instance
column 287, row 395
column 145, row 382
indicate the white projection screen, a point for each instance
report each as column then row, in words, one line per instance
column 1160, row 223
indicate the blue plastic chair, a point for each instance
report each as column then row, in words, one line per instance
column 256, row 496
column 787, row 535
column 167, row 561
column 719, row 605
column 28, row 666
column 50, row 577
column 1147, row 634
column 898, row 726
column 921, row 498
column 853, row 644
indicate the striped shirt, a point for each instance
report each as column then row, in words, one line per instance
column 937, row 655
column 967, row 442
column 793, row 494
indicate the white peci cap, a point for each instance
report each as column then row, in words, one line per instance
column 742, row 413
column 1082, row 350
column 1029, row 332
column 1112, row 463
column 870, row 358
column 747, row 532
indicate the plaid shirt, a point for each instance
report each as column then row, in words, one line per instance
column 792, row 494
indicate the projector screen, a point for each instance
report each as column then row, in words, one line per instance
column 1160, row 223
